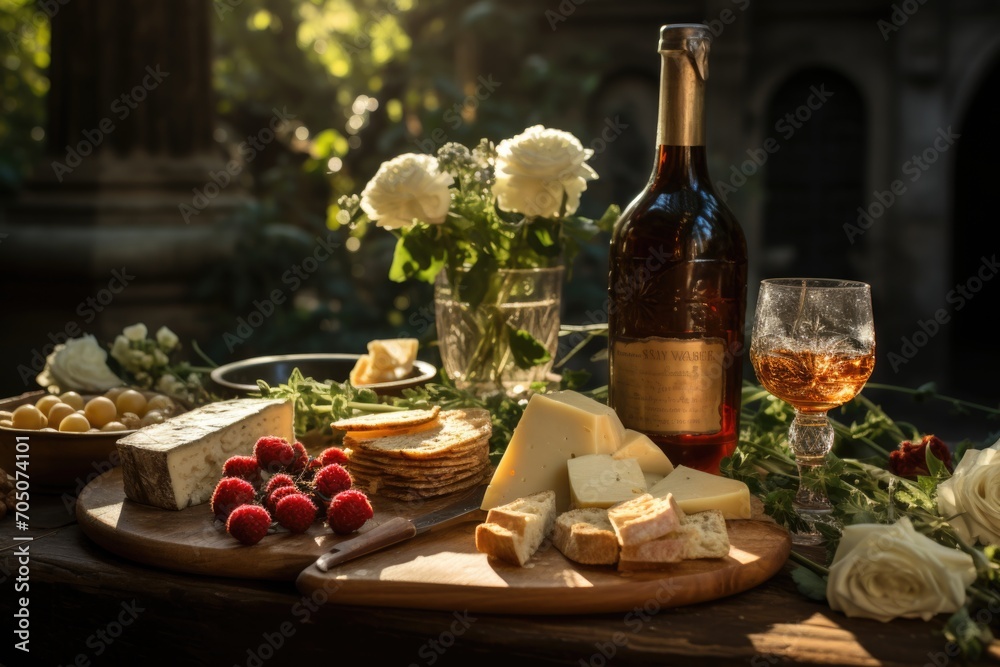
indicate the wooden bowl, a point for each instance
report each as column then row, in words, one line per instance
column 240, row 377
column 58, row 462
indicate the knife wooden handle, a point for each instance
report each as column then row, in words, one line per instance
column 379, row 537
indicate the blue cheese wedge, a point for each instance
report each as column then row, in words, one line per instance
column 177, row 463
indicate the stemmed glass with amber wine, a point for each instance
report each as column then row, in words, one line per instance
column 812, row 346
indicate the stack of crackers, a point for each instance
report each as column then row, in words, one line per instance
column 417, row 454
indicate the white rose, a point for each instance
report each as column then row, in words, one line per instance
column 136, row 332
column 406, row 189
column 79, row 364
column 535, row 168
column 166, row 338
column 120, row 349
column 972, row 496
column 885, row 572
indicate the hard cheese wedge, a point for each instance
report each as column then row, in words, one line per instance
column 598, row 480
column 177, row 463
column 697, row 491
column 553, row 429
column 651, row 458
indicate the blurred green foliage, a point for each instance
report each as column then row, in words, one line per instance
column 365, row 80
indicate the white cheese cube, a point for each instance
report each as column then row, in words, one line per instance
column 178, row 463
column 601, row 481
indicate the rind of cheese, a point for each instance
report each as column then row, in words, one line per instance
column 697, row 491
column 553, row 429
column 177, row 463
column 598, row 480
column 651, row 458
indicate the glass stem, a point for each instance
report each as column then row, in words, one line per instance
column 811, row 438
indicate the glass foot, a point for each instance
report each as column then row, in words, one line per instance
column 812, row 517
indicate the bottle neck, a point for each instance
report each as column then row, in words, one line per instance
column 680, row 167
column 681, row 120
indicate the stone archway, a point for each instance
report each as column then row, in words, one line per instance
column 975, row 244
column 815, row 178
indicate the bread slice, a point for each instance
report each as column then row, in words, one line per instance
column 513, row 532
column 700, row 535
column 704, row 535
column 586, row 536
column 645, row 518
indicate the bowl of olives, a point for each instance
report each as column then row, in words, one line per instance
column 63, row 441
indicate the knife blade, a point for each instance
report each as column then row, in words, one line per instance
column 400, row 528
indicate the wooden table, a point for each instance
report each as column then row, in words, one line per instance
column 88, row 606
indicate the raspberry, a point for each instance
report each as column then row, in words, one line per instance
column 273, row 453
column 230, row 493
column 281, row 479
column 279, row 493
column 348, row 511
column 333, row 455
column 332, row 479
column 300, row 460
column 249, row 523
column 244, row 467
column 295, row 512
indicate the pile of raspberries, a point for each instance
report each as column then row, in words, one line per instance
column 281, row 484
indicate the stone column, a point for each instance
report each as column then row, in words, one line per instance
column 134, row 200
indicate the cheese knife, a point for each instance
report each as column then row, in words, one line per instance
column 400, row 529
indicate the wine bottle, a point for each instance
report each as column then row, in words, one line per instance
column 677, row 281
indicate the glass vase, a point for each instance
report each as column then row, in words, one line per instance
column 475, row 340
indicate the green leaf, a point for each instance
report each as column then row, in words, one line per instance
column 526, row 350
column 970, row 637
column 416, row 255
column 606, row 222
column 574, row 379
column 935, row 466
column 809, row 583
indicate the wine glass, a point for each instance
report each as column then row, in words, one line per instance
column 813, row 346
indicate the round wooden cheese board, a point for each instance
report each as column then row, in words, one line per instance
column 440, row 569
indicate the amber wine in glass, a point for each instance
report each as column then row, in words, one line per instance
column 813, row 346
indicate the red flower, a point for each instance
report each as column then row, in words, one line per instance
column 910, row 460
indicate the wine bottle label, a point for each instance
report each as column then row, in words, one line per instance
column 669, row 385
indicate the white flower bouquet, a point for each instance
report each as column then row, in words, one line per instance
column 465, row 216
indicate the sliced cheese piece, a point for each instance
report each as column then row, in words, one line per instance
column 651, row 458
column 553, row 429
column 697, row 491
column 598, row 480
column 177, row 463
column 651, row 478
